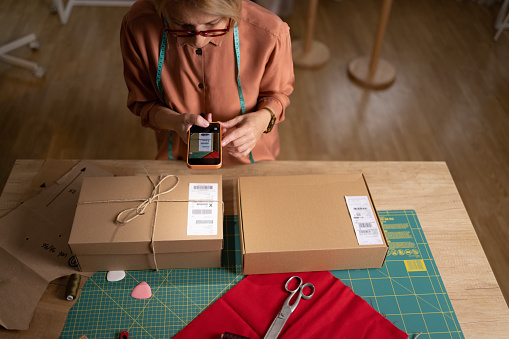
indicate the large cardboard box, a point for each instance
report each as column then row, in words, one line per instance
column 171, row 231
column 302, row 223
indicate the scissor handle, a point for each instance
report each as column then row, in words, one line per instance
column 301, row 287
column 307, row 296
column 298, row 286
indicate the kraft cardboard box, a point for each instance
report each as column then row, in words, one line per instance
column 170, row 232
column 303, row 223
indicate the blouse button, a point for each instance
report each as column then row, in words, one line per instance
column 200, row 85
column 198, row 51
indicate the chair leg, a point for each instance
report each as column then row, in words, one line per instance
column 31, row 41
column 502, row 27
column 500, row 24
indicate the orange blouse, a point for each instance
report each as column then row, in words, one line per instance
column 204, row 80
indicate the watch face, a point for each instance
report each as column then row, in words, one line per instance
column 272, row 121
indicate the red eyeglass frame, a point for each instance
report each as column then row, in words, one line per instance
column 188, row 34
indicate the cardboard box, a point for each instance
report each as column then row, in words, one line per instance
column 302, row 223
column 102, row 244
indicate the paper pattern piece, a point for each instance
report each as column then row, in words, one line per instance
column 33, row 246
column 202, row 215
column 141, row 291
column 364, row 221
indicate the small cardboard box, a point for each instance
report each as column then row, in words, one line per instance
column 170, row 232
column 302, row 223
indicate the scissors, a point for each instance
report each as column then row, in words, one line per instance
column 287, row 309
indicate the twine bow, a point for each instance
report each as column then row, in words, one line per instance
column 140, row 210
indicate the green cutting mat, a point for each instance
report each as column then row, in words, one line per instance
column 407, row 290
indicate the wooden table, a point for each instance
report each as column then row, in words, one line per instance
column 426, row 187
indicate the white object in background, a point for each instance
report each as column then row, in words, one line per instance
column 65, row 11
column 499, row 24
column 31, row 41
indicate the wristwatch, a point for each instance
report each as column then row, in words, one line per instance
column 272, row 120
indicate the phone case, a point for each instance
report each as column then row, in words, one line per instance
column 203, row 166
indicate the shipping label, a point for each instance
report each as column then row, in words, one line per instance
column 202, row 213
column 364, row 220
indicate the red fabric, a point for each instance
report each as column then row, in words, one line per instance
column 214, row 155
column 249, row 308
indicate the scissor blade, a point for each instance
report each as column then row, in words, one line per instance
column 278, row 323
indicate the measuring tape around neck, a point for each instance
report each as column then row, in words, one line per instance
column 162, row 54
column 239, row 86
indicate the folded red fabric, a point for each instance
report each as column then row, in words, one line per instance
column 249, row 308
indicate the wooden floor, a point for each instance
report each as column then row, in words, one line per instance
column 450, row 101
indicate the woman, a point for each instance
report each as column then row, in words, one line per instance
column 180, row 61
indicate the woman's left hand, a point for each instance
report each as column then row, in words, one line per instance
column 241, row 133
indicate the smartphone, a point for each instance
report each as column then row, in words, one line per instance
column 204, row 146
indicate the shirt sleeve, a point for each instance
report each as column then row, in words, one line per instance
column 278, row 79
column 137, row 46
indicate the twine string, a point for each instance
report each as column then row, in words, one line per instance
column 140, row 209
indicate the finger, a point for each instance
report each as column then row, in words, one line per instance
column 200, row 121
column 233, row 122
column 236, row 132
column 239, row 144
column 231, row 136
column 209, row 117
column 241, row 154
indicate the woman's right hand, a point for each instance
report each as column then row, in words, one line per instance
column 180, row 122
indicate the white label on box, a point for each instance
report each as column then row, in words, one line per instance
column 205, row 142
column 202, row 215
column 364, row 221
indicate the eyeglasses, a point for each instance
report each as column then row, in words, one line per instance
column 182, row 33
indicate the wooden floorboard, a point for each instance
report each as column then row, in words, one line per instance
column 450, row 101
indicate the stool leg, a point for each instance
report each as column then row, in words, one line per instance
column 374, row 72
column 309, row 53
column 30, row 40
column 502, row 27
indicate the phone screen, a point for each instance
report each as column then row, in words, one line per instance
column 204, row 145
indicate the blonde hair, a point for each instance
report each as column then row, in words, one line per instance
column 223, row 8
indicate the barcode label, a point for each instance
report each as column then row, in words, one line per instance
column 202, row 216
column 202, row 212
column 366, row 225
column 368, row 232
column 203, row 187
column 363, row 220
